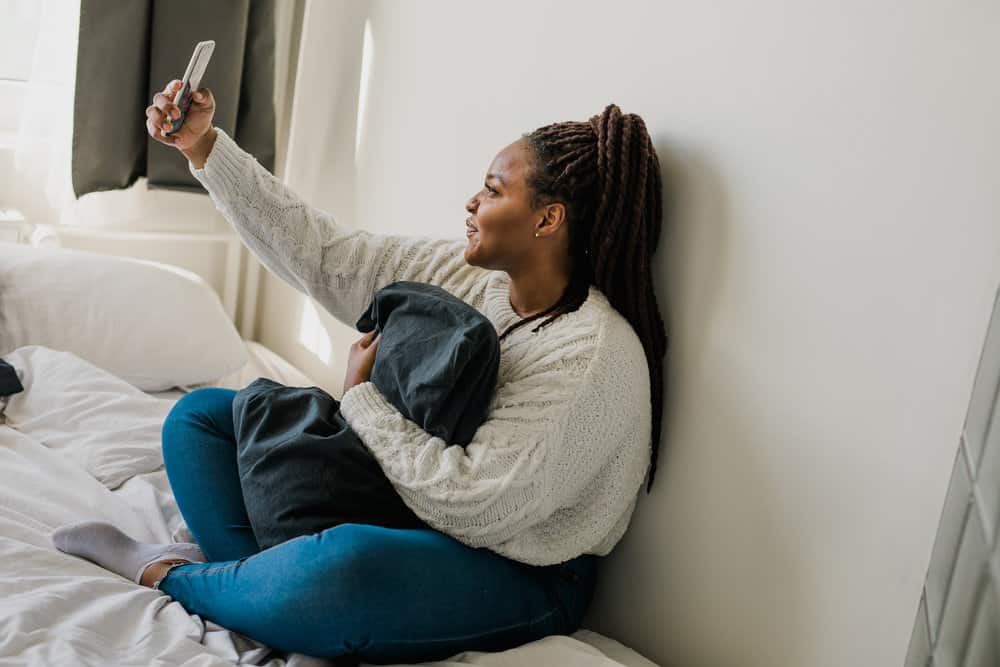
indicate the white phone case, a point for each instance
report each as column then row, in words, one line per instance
column 191, row 81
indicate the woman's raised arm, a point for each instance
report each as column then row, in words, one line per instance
column 306, row 247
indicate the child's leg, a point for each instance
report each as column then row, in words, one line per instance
column 199, row 454
column 387, row 595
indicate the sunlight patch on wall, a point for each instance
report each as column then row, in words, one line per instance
column 367, row 50
column 312, row 334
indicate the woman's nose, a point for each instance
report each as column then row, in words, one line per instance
column 470, row 205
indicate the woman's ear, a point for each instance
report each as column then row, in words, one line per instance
column 553, row 217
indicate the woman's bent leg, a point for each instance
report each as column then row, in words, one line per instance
column 385, row 595
column 199, row 454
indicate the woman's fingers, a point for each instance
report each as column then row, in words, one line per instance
column 157, row 117
column 166, row 106
column 157, row 132
column 162, row 112
column 367, row 339
column 164, row 100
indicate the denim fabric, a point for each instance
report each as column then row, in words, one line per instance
column 303, row 469
column 381, row 594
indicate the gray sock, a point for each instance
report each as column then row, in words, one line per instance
column 104, row 544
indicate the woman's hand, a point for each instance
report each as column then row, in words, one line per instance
column 361, row 360
column 197, row 121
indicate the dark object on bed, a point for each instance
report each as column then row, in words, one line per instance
column 11, row 384
column 303, row 469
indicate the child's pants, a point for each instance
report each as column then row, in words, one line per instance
column 382, row 594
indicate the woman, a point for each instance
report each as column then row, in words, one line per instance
column 562, row 232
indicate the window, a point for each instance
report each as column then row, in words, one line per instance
column 18, row 34
column 37, row 57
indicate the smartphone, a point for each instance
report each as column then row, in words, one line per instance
column 191, row 81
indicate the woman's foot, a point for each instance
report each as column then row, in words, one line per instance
column 102, row 543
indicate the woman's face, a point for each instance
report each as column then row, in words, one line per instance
column 501, row 223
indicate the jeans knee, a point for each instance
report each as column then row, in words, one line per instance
column 199, row 408
column 201, row 401
column 188, row 404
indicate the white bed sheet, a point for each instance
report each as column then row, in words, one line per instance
column 261, row 362
column 80, row 443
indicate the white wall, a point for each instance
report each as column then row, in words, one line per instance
column 826, row 274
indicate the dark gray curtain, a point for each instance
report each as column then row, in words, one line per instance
column 130, row 49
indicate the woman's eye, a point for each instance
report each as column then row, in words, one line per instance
column 489, row 189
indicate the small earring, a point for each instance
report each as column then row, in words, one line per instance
column 536, row 234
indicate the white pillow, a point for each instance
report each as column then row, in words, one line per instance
column 153, row 325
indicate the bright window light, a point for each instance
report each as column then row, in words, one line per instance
column 312, row 334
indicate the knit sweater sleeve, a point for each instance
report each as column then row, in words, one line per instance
column 556, row 445
column 309, row 249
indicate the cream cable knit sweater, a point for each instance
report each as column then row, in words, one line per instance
column 556, row 469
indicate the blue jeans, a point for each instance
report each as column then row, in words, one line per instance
column 380, row 594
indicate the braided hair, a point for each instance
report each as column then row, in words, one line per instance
column 606, row 172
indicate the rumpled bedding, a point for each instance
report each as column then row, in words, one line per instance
column 79, row 443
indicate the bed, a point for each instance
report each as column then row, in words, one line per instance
column 82, row 441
